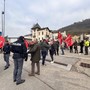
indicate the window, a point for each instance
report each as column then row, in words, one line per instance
column 42, row 33
column 39, row 33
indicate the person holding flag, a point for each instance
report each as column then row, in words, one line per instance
column 60, row 38
column 61, row 42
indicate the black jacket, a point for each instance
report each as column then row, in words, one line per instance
column 19, row 49
column 6, row 49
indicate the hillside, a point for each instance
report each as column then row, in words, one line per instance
column 78, row 28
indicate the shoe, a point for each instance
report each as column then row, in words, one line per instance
column 14, row 80
column 52, row 61
column 22, row 81
column 9, row 65
column 31, row 74
column 37, row 73
column 44, row 65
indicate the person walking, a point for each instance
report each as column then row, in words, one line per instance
column 6, row 51
column 56, row 44
column 44, row 49
column 62, row 48
column 35, row 58
column 19, row 54
column 52, row 51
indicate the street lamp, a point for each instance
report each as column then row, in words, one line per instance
column 4, row 20
column 2, row 23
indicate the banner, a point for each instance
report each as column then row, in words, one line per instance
column 69, row 40
column 2, row 40
column 60, row 37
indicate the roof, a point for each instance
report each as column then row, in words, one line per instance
column 36, row 26
column 28, row 35
column 54, row 31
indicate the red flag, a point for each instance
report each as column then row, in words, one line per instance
column 60, row 37
column 2, row 40
column 69, row 40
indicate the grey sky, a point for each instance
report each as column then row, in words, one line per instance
column 55, row 14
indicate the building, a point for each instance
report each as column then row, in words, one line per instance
column 44, row 33
column 28, row 37
column 40, row 33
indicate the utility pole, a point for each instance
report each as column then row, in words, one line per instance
column 3, row 33
column 2, row 22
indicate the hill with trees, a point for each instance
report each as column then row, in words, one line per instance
column 77, row 28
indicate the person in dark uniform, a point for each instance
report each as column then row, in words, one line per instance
column 81, row 46
column 19, row 54
column 6, row 51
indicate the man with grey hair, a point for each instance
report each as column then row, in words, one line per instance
column 35, row 58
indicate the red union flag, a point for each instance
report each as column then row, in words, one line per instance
column 60, row 37
column 69, row 40
column 2, row 40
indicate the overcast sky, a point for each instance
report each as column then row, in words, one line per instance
column 21, row 15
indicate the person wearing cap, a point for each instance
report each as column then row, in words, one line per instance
column 19, row 54
column 6, row 52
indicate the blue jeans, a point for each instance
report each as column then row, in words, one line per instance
column 44, row 53
column 6, row 59
column 18, row 65
column 62, row 50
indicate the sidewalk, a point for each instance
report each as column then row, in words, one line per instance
column 52, row 78
column 69, row 58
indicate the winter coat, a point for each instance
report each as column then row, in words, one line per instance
column 35, row 53
column 19, row 49
column 52, row 49
column 6, row 49
column 44, row 46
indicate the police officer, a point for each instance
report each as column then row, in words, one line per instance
column 6, row 51
column 19, row 54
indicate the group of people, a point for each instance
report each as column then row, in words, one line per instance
column 20, row 53
column 38, row 51
column 84, row 44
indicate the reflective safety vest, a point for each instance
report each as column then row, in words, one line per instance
column 86, row 43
